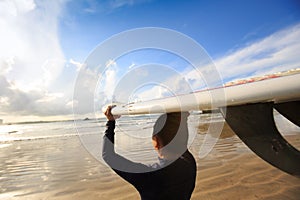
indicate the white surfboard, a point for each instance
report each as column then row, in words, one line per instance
column 274, row 88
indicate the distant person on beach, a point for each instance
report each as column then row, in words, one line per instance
column 173, row 176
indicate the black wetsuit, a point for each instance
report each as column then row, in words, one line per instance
column 175, row 181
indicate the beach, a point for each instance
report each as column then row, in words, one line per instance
column 61, row 168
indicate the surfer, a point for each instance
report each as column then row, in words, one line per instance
column 173, row 176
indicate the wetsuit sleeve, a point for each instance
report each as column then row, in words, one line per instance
column 122, row 166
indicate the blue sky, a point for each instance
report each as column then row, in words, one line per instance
column 44, row 43
column 219, row 26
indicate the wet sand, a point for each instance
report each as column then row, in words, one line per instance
column 245, row 177
column 62, row 170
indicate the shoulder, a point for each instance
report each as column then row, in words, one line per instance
column 188, row 159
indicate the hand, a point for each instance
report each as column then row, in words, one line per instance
column 109, row 115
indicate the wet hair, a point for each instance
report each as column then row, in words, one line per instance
column 172, row 131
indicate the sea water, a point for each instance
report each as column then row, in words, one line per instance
column 50, row 158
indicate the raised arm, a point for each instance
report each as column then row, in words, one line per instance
column 119, row 164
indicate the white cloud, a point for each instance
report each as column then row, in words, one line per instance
column 29, row 40
column 6, row 65
column 122, row 3
column 110, row 78
column 49, row 97
column 132, row 66
column 14, row 8
column 110, row 63
column 39, row 102
column 78, row 65
column 71, row 104
column 155, row 92
column 31, row 58
column 277, row 52
column 108, row 6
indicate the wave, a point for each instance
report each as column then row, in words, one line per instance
column 42, row 137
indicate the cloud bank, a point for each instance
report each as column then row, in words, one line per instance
column 31, row 58
column 30, row 51
column 35, row 78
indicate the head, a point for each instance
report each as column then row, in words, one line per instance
column 170, row 133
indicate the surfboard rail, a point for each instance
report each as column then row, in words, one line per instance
column 277, row 89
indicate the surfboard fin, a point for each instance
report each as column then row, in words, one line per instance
column 255, row 126
column 290, row 110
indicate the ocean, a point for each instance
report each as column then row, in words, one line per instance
column 62, row 160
